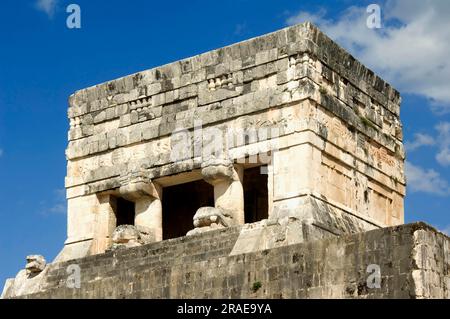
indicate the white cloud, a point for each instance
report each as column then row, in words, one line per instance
column 58, row 204
column 443, row 156
column 411, row 50
column 59, row 208
column 426, row 180
column 419, row 141
column 441, row 141
column 47, row 6
column 304, row 16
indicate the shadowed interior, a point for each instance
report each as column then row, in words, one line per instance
column 255, row 195
column 125, row 212
column 180, row 202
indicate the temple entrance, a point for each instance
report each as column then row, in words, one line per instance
column 256, row 202
column 180, row 202
column 125, row 212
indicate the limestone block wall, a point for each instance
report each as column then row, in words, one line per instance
column 327, row 128
column 413, row 262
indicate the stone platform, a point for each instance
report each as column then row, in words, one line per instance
column 413, row 261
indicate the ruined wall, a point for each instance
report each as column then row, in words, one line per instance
column 414, row 262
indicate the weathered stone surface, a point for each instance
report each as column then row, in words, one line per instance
column 147, row 235
column 209, row 218
column 325, row 126
column 127, row 236
column 35, row 264
column 137, row 190
column 125, row 233
column 200, row 267
column 29, row 280
column 215, row 171
column 294, row 105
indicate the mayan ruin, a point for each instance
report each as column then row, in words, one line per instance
column 270, row 168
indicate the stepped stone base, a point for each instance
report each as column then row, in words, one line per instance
column 413, row 262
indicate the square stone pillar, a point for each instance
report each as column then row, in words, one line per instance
column 105, row 223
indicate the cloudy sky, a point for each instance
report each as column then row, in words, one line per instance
column 42, row 62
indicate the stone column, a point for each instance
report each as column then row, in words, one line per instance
column 148, row 206
column 149, row 215
column 105, row 223
column 228, row 190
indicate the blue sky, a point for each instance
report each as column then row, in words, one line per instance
column 42, row 62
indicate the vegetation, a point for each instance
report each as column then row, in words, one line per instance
column 366, row 122
column 322, row 90
column 256, row 286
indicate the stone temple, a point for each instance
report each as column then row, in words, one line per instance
column 270, row 168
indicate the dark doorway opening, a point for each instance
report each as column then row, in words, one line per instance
column 180, row 202
column 125, row 212
column 256, row 201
